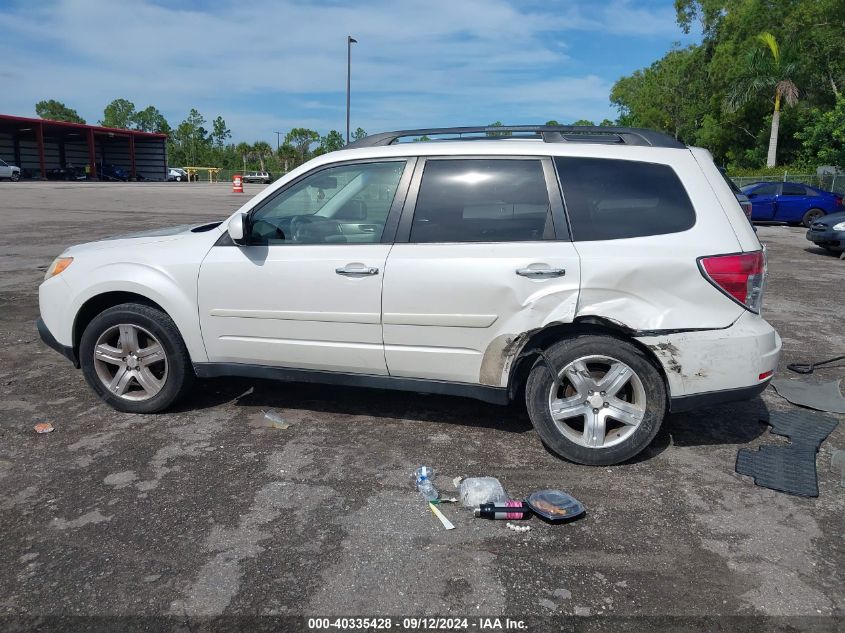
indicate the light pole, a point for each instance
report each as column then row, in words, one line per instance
column 278, row 135
column 349, row 42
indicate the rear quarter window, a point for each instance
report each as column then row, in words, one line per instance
column 610, row 199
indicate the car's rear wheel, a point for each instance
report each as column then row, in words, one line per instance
column 595, row 399
column 811, row 216
column 133, row 357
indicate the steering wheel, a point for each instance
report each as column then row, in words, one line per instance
column 307, row 227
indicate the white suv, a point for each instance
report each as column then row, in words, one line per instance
column 607, row 273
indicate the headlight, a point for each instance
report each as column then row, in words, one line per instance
column 839, row 227
column 58, row 265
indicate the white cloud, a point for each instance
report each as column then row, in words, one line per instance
column 420, row 61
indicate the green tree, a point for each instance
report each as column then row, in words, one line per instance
column 766, row 71
column 358, row 134
column 332, row 141
column 584, row 122
column 244, row 151
column 301, row 139
column 552, row 122
column 497, row 124
column 219, row 132
column 151, row 120
column 823, row 138
column 261, row 150
column 120, row 113
column 57, row 111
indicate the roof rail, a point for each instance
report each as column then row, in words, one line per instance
column 549, row 134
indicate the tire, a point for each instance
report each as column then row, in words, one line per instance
column 640, row 398
column 16, row 176
column 811, row 216
column 152, row 378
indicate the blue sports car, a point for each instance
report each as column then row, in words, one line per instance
column 790, row 202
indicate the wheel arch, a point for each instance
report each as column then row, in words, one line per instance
column 540, row 340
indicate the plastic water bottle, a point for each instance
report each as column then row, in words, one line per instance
column 422, row 478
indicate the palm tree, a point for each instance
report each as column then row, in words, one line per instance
column 245, row 151
column 261, row 150
column 766, row 69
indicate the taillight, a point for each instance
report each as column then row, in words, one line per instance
column 837, row 201
column 742, row 277
column 746, row 206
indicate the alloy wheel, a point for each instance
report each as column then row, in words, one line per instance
column 597, row 401
column 130, row 362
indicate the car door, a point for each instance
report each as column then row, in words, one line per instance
column 482, row 255
column 5, row 170
column 306, row 291
column 792, row 202
column 763, row 200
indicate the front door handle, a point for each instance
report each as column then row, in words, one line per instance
column 356, row 270
column 540, row 273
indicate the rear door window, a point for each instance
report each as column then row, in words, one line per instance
column 791, row 189
column 482, row 200
column 609, row 199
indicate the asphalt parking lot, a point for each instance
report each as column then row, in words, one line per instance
column 202, row 512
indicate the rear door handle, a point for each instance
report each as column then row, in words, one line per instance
column 540, row 273
column 356, row 270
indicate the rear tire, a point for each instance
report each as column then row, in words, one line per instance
column 811, row 216
column 609, row 399
column 134, row 358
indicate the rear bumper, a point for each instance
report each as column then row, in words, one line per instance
column 712, row 398
column 713, row 366
column 51, row 342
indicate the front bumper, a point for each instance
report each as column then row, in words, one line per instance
column 51, row 342
column 827, row 239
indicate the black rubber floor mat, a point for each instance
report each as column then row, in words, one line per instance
column 790, row 469
column 801, row 426
column 824, row 396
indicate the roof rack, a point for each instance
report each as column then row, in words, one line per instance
column 549, row 134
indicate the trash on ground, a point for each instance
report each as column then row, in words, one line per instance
column 422, row 480
column 446, row 522
column 445, row 500
column 518, row 528
column 44, row 427
column 270, row 420
column 475, row 491
column 837, row 464
column 555, row 505
column 825, row 396
column 508, row 510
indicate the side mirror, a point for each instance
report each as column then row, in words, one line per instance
column 238, row 229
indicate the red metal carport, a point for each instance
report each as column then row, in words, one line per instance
column 37, row 145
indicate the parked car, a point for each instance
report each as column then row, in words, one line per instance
column 176, row 174
column 112, row 172
column 9, row 172
column 258, row 176
column 608, row 274
column 829, row 232
column 743, row 200
column 791, row 202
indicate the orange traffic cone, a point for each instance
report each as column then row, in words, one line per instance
column 237, row 184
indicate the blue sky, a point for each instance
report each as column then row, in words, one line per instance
column 267, row 66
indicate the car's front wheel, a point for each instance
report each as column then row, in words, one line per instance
column 16, row 175
column 595, row 399
column 133, row 357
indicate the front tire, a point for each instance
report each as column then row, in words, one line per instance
column 15, row 176
column 134, row 358
column 811, row 216
column 605, row 404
